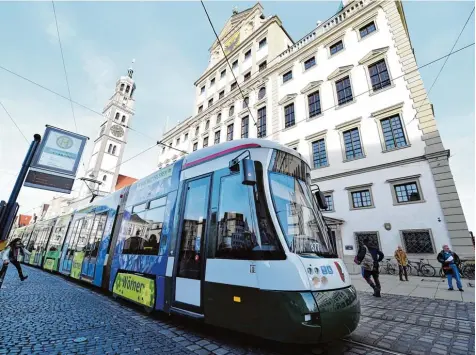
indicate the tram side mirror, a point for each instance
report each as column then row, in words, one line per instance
column 321, row 200
column 248, row 172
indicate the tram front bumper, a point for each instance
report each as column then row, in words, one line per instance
column 310, row 317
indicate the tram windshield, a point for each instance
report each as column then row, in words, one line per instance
column 302, row 224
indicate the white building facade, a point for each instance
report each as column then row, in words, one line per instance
column 349, row 98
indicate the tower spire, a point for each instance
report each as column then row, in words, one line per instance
column 130, row 71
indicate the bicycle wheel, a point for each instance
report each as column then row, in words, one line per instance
column 412, row 270
column 427, row 270
column 391, row 269
column 468, row 271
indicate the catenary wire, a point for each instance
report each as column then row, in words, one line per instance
column 226, row 57
column 11, row 118
column 442, row 67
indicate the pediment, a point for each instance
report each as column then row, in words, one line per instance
column 286, row 99
column 340, row 71
column 373, row 54
column 311, row 86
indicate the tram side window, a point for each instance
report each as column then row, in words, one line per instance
column 55, row 240
column 237, row 228
column 144, row 228
column 74, row 236
column 31, row 242
column 84, row 233
column 95, row 236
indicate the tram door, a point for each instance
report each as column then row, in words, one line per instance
column 92, row 248
column 189, row 272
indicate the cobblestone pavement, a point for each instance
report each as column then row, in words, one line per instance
column 47, row 314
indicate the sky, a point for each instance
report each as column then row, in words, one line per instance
column 170, row 42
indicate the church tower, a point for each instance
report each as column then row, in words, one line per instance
column 109, row 146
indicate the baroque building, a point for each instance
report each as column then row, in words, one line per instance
column 349, row 98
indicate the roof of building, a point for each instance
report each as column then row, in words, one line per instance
column 123, row 181
column 23, row 219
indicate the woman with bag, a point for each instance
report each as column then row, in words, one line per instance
column 10, row 255
column 449, row 261
column 368, row 258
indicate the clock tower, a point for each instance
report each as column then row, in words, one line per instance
column 109, row 145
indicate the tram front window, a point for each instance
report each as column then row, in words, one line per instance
column 294, row 206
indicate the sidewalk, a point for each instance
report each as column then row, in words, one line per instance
column 427, row 287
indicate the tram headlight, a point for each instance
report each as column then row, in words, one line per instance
column 309, row 271
column 316, row 270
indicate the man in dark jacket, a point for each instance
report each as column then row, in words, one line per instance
column 368, row 257
column 11, row 254
column 449, row 261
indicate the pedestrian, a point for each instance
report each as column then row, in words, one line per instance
column 449, row 261
column 10, row 255
column 368, row 258
column 402, row 261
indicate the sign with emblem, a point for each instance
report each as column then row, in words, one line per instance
column 56, row 161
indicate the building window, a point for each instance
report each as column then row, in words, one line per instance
column 212, row 82
column 128, row 87
column 308, row 64
column 287, row 76
column 418, row 242
column 244, row 127
column 104, row 178
column 247, row 76
column 261, row 93
column 114, row 150
column 210, row 102
column 163, row 150
column 200, row 108
column 205, row 142
column 234, row 65
column 223, row 74
column 330, row 202
column 336, row 47
column 262, row 43
column 379, row 75
column 234, row 85
column 197, row 131
column 371, row 236
column 319, row 154
column 262, row 66
column 195, row 146
column 393, row 134
column 289, row 120
column 344, row 91
column 361, row 199
column 185, row 137
column 217, row 137
column 231, row 111
column 248, row 54
column 353, row 146
column 314, row 102
column 207, row 125
column 406, row 190
column 123, row 120
column 109, row 149
column 117, row 116
column 246, row 101
column 202, row 90
column 122, row 87
column 221, row 95
column 229, row 132
column 262, row 122
column 367, row 29
column 218, row 118
column 178, row 141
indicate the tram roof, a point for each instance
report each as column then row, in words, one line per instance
column 214, row 151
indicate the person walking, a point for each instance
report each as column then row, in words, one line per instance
column 402, row 261
column 449, row 261
column 368, row 257
column 10, row 255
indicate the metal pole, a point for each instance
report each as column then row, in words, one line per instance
column 4, row 228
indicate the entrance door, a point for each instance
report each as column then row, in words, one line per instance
column 189, row 272
column 91, row 252
column 68, row 257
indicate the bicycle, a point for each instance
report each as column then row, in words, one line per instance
column 465, row 269
column 418, row 267
column 389, row 268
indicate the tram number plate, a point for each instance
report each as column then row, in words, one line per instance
column 252, row 269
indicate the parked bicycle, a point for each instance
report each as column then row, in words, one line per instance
column 388, row 268
column 420, row 268
column 465, row 269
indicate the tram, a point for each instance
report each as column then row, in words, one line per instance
column 231, row 234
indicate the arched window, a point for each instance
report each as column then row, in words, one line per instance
column 246, row 102
column 232, row 111
column 104, row 178
column 128, row 88
column 261, row 93
column 109, row 150
column 123, row 119
column 117, row 116
column 122, row 87
column 218, row 118
column 114, row 150
column 207, row 125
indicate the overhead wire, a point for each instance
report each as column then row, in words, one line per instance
column 11, row 118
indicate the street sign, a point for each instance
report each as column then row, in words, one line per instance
column 56, row 161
